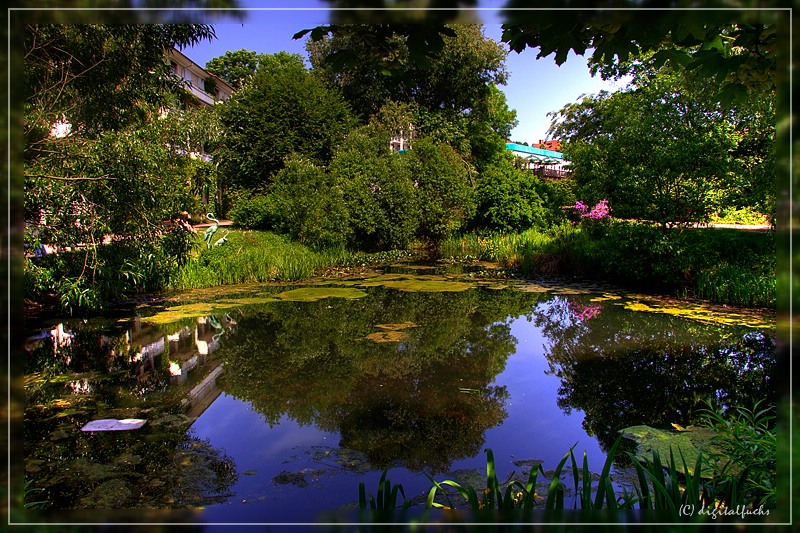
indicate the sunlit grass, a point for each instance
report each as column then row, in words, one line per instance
column 252, row 257
column 722, row 266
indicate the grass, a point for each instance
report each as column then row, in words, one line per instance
column 722, row 266
column 725, row 266
column 252, row 257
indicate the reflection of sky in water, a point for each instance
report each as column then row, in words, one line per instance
column 536, row 428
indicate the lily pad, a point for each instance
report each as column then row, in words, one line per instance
column 691, row 441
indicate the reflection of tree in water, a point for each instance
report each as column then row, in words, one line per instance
column 425, row 400
column 625, row 368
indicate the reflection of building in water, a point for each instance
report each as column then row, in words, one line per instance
column 57, row 333
column 186, row 350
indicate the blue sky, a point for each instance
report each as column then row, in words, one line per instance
column 535, row 87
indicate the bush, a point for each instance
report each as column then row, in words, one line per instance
column 377, row 190
column 308, row 206
column 254, row 211
column 445, row 195
column 555, row 194
column 507, row 199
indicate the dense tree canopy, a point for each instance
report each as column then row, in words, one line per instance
column 457, row 78
column 665, row 149
column 235, row 67
column 100, row 161
column 283, row 110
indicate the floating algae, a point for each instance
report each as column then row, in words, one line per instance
column 704, row 312
column 418, row 283
column 312, row 294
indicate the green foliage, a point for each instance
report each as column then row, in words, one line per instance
column 446, row 196
column 235, row 67
column 747, row 458
column 515, row 496
column 507, row 199
column 254, row 210
column 387, row 495
column 378, row 190
column 726, row 266
column 283, row 110
column 556, row 194
column 739, row 56
column 308, row 206
column 87, row 279
column 660, row 486
column 744, row 215
column 98, row 77
column 115, row 171
column 456, row 78
column 252, row 257
column 657, row 151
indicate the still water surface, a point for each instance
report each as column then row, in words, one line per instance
column 271, row 404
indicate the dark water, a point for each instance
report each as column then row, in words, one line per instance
column 271, row 404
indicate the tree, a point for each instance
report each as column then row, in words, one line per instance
column 657, row 151
column 738, row 49
column 378, row 190
column 283, row 110
column 446, row 189
column 507, row 198
column 457, row 78
column 96, row 162
column 307, row 205
column 235, row 67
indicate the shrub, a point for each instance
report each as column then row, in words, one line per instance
column 377, row 191
column 254, row 211
column 507, row 199
column 308, row 206
column 445, row 195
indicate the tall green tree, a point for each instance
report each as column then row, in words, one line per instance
column 661, row 150
column 283, row 110
column 454, row 96
column 457, row 78
column 96, row 164
column 235, row 67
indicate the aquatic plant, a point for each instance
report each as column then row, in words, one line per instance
column 659, row 486
column 745, row 466
column 493, row 497
column 386, row 499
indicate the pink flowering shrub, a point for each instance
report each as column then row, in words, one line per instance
column 593, row 220
column 598, row 212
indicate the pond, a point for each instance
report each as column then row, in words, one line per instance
column 269, row 404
